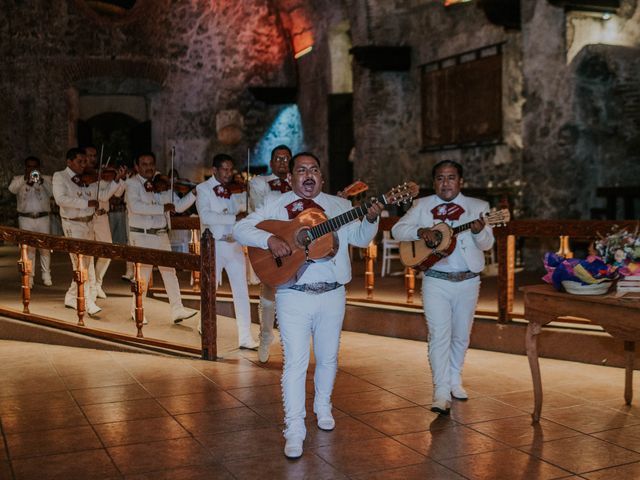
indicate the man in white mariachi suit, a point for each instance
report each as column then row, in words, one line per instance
column 314, row 306
column 77, row 204
column 101, row 227
column 33, row 191
column 261, row 188
column 450, row 288
column 219, row 210
column 148, row 218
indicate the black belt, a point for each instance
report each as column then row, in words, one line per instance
column 79, row 219
column 316, row 288
column 148, row 231
column 33, row 214
column 450, row 276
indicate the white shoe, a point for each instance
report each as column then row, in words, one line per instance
column 128, row 278
column 263, row 352
column 441, row 406
column 249, row 345
column 183, row 314
column 46, row 280
column 293, row 447
column 144, row 318
column 93, row 309
column 325, row 419
column 100, row 293
column 459, row 393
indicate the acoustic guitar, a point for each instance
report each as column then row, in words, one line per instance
column 420, row 255
column 312, row 236
column 356, row 188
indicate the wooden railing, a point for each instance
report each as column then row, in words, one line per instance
column 203, row 263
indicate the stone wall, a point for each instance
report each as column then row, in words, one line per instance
column 189, row 60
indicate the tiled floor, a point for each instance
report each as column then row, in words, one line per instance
column 69, row 413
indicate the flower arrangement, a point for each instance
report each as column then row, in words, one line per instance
column 621, row 250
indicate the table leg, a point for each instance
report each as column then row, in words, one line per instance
column 532, row 353
column 629, row 353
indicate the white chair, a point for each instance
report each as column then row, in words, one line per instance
column 390, row 251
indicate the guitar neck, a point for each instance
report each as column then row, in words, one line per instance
column 462, row 228
column 335, row 223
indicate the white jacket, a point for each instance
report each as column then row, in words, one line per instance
column 32, row 198
column 358, row 233
column 469, row 244
column 216, row 213
column 72, row 199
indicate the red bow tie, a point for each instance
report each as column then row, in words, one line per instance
column 277, row 185
column 222, row 191
column 447, row 211
column 294, row 208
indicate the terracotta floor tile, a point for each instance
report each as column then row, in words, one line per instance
column 365, row 402
column 628, row 437
column 43, row 420
column 582, row 454
column 368, row 455
column 140, row 431
column 496, row 384
column 481, row 409
column 519, row 431
column 406, row 420
column 232, row 419
column 35, row 402
column 503, row 465
column 180, row 386
column 194, row 472
column 274, row 412
column 244, row 444
column 629, row 471
column 154, row 456
column 50, row 442
column 258, row 395
column 589, row 419
column 114, row 393
column 87, row 465
column 99, row 379
column 32, row 385
column 421, row 394
column 449, row 442
column 400, row 378
column 348, row 429
column 122, row 411
column 309, row 466
column 199, row 402
column 346, row 384
column 3, row 450
column 248, row 378
column 148, row 374
column 422, row 471
column 551, row 400
column 5, row 470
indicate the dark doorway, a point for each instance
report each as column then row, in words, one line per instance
column 123, row 136
column 340, row 140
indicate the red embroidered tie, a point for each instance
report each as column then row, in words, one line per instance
column 294, row 208
column 447, row 211
column 277, row 185
column 222, row 191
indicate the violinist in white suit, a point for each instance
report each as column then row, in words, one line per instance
column 219, row 209
column 450, row 288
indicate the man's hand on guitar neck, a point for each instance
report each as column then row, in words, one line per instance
column 477, row 225
column 278, row 247
column 374, row 211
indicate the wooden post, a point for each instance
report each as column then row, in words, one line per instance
column 208, row 296
column 25, row 267
column 194, row 247
column 80, row 275
column 137, row 287
column 506, row 275
column 371, row 253
column 410, row 283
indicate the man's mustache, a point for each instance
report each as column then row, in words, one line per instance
column 309, row 181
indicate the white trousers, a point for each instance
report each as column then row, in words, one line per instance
column 84, row 231
column 230, row 257
column 102, row 231
column 449, row 308
column 302, row 317
column 169, row 278
column 267, row 313
column 39, row 225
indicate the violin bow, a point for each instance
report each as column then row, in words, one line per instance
column 173, row 156
column 99, row 178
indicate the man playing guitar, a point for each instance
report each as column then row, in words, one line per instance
column 451, row 286
column 312, row 305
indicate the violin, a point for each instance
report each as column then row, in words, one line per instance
column 162, row 183
column 183, row 185
column 107, row 175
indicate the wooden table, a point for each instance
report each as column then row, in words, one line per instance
column 620, row 317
